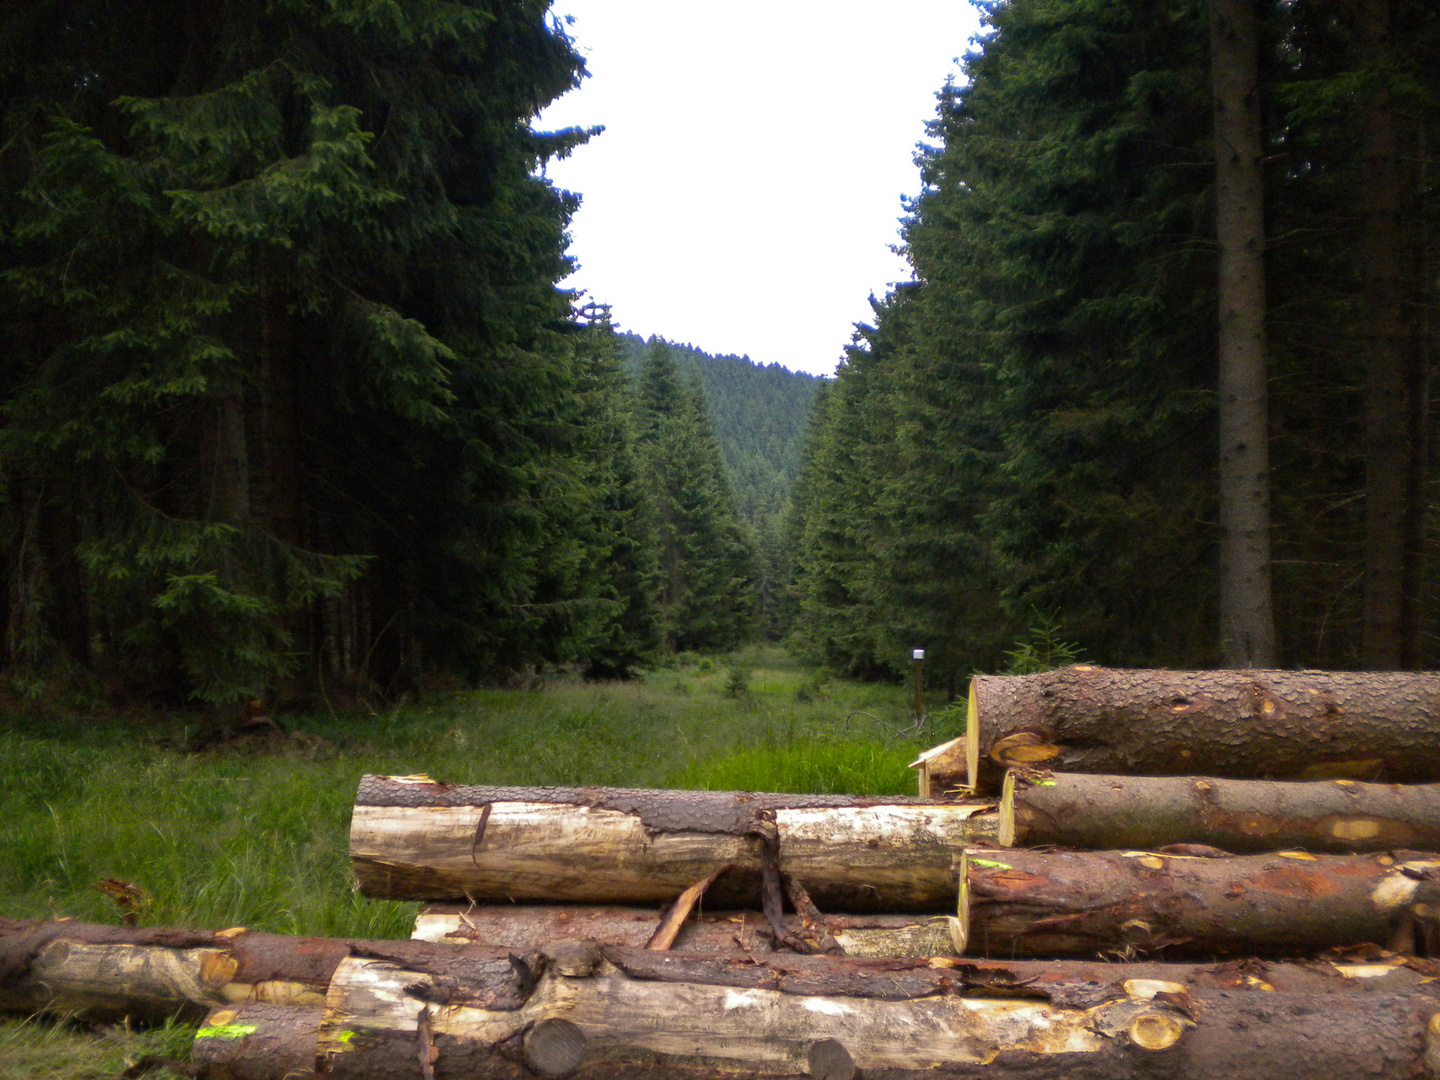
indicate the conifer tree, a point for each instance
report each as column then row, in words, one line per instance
column 291, row 404
column 705, row 597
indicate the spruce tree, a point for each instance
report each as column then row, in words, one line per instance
column 706, row 564
column 292, row 404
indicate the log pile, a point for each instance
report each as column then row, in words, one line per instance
column 1024, row 916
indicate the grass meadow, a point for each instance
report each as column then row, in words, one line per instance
column 256, row 834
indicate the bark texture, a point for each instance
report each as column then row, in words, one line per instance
column 636, row 1015
column 1300, row 725
column 521, row 927
column 413, row 838
column 258, row 1042
column 1247, row 619
column 110, row 972
column 1078, row 810
column 1088, row 903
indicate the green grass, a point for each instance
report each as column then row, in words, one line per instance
column 258, row 836
column 33, row 1049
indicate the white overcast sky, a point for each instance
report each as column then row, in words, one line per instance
column 745, row 194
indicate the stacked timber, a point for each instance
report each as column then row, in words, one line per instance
column 383, row 1010
column 1244, row 891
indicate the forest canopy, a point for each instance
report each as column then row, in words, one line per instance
column 1027, row 434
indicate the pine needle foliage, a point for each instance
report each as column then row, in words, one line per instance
column 291, row 404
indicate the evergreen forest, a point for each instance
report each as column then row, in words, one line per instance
column 1155, row 243
column 295, row 406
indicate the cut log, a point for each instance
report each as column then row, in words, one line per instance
column 413, row 838
column 637, row 1016
column 1288, row 725
column 258, row 1042
column 110, row 972
column 1089, row 903
column 533, row 926
column 1078, row 810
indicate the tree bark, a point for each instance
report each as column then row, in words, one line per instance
column 1247, row 620
column 1239, row 816
column 1386, row 410
column 258, row 1042
column 521, row 927
column 108, row 972
column 639, row 1015
column 413, row 838
column 1302, row 725
column 1016, row 902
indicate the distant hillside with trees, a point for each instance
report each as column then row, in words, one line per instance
column 760, row 414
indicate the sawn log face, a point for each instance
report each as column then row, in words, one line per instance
column 1239, row 724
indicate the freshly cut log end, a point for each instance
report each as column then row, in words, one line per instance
column 555, row 1047
column 1155, row 1030
column 1300, row 725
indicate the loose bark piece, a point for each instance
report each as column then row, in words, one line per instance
column 671, row 1025
column 258, row 1042
column 413, row 838
column 1301, row 725
column 522, row 926
column 676, row 914
column 1069, row 903
column 1084, row 811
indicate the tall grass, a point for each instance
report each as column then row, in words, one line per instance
column 258, row 837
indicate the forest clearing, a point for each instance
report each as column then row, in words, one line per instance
column 255, row 833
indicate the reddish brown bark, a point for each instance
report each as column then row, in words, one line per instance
column 258, row 1042
column 1247, row 620
column 636, row 1015
column 1078, row 810
column 1239, row 724
column 1088, row 903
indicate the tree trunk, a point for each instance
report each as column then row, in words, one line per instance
column 413, row 838
column 1386, row 412
column 1077, row 810
column 1016, row 902
column 520, row 926
column 258, row 1042
column 643, row 1016
column 1247, row 620
column 108, row 972
column 1303, row 725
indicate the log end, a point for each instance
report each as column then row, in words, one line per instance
column 1155, row 1030
column 555, row 1047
